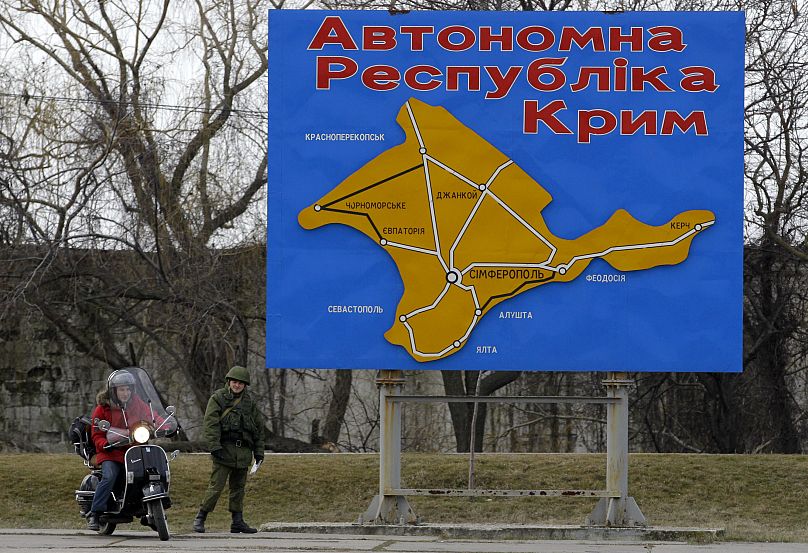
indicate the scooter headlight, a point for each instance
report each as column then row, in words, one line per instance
column 141, row 434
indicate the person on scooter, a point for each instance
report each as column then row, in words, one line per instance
column 120, row 405
column 234, row 430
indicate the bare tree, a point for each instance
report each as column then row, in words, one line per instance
column 340, row 395
column 133, row 167
column 763, row 408
column 465, row 383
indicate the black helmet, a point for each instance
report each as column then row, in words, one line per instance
column 120, row 377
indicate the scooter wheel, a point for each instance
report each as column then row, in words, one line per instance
column 158, row 515
column 107, row 528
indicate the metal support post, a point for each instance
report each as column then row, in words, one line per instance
column 388, row 508
column 619, row 511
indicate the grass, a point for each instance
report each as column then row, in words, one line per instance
column 754, row 497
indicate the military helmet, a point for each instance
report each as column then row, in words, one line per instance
column 238, row 373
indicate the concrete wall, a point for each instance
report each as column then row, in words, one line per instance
column 45, row 383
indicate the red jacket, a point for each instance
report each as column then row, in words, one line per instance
column 136, row 411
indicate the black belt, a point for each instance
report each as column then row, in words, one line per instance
column 237, row 441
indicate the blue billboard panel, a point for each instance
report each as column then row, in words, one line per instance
column 505, row 191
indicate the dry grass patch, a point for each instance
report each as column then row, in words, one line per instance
column 755, row 497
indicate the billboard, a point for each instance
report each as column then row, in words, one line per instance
column 505, row 190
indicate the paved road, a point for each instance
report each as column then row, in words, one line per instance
column 72, row 541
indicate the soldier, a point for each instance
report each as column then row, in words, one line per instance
column 234, row 430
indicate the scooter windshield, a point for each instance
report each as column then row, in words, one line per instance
column 144, row 388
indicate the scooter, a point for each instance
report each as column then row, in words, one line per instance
column 142, row 491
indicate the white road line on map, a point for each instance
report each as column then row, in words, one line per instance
column 411, row 248
column 465, row 226
column 533, row 231
column 650, row 245
column 434, row 219
column 412, row 336
column 448, row 169
column 424, row 158
column 432, row 306
column 473, row 291
column 471, row 327
column 490, row 180
column 498, row 171
column 415, row 126
column 428, row 188
column 440, row 353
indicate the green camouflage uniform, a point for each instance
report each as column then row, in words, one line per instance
column 233, row 441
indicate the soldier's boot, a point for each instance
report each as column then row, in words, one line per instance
column 199, row 521
column 238, row 525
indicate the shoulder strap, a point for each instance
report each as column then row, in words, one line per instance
column 227, row 411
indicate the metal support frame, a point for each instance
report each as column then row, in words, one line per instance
column 622, row 510
column 389, row 507
column 615, row 507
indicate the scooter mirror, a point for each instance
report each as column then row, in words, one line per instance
column 103, row 425
column 171, row 409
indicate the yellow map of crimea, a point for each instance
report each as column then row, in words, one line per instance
column 463, row 225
